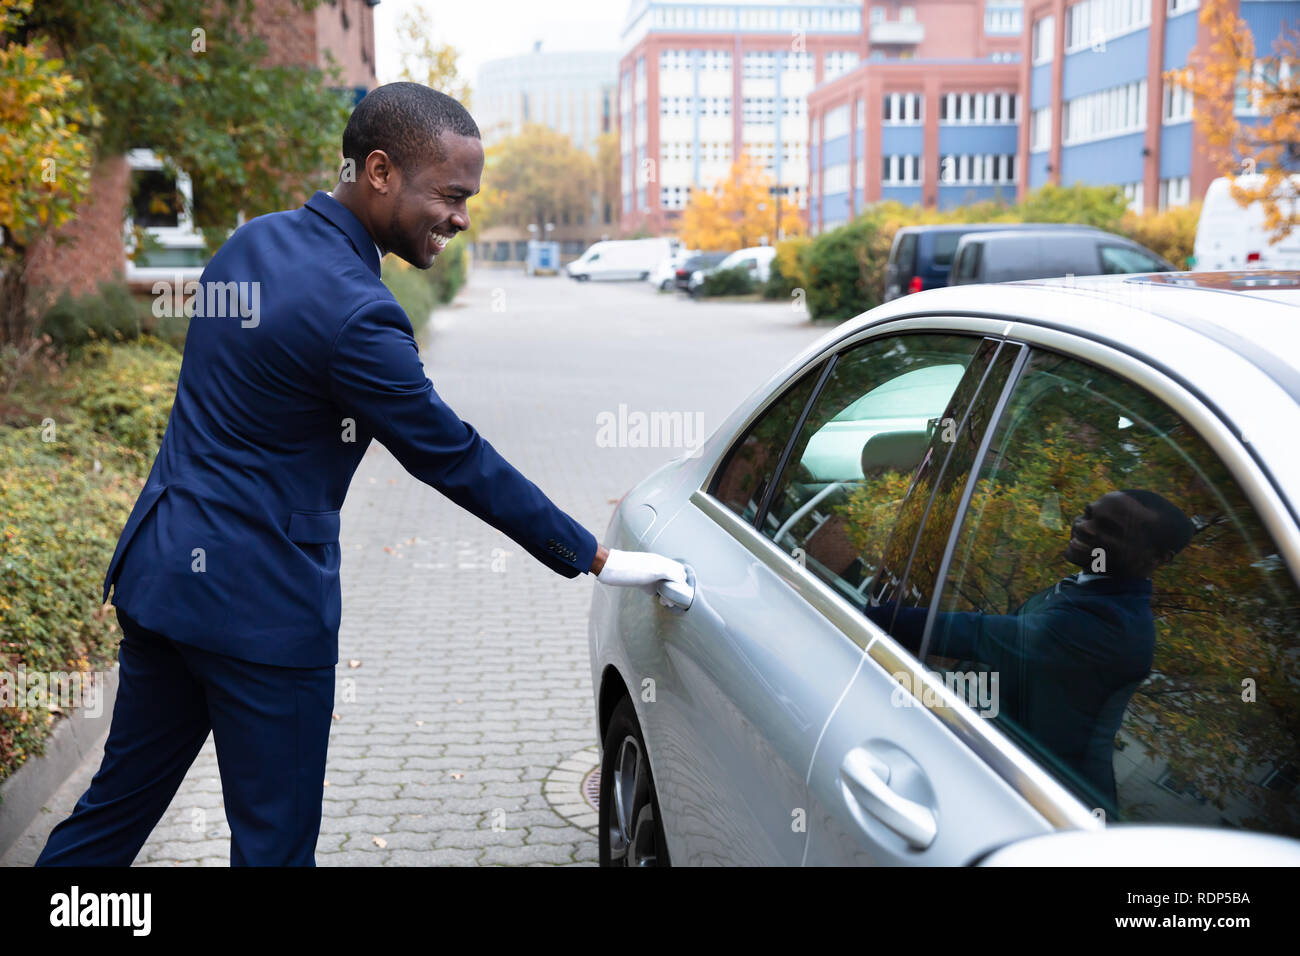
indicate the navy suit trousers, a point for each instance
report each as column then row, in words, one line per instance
column 271, row 727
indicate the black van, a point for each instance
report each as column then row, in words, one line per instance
column 1008, row 256
column 921, row 256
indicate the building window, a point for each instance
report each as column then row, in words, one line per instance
column 901, row 170
column 835, row 179
column 1002, row 19
column 760, row 65
column 839, row 62
column 1178, row 103
column 979, row 108
column 1040, row 130
column 837, row 122
column 979, row 169
column 1175, row 192
column 1133, row 193
column 1090, row 23
column 1043, row 39
column 902, row 109
column 1114, row 112
column 877, row 14
column 758, row 110
column 161, row 205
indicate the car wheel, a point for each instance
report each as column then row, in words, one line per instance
column 631, row 826
column 645, row 276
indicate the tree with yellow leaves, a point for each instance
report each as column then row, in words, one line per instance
column 424, row 59
column 44, row 156
column 738, row 212
column 1224, row 76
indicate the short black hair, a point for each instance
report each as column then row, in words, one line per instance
column 405, row 120
column 1172, row 530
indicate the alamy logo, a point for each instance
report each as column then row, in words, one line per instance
column 178, row 297
column 75, row 908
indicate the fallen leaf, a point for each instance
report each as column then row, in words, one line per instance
column 419, row 723
column 336, row 716
column 379, row 842
column 457, row 776
column 354, row 664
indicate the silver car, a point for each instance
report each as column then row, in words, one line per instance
column 988, row 574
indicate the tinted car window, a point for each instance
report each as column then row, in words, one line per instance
column 968, row 263
column 905, row 257
column 1112, row 583
column 866, row 434
column 945, row 245
column 1122, row 259
column 752, row 461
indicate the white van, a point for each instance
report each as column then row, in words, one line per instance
column 622, row 259
column 1232, row 236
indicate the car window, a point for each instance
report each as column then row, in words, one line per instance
column 905, row 256
column 867, row 433
column 1121, row 259
column 945, row 245
column 968, row 261
column 749, row 465
column 1113, row 586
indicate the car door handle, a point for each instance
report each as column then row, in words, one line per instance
column 865, row 777
column 675, row 594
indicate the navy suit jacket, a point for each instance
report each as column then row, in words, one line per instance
column 1068, row 661
column 233, row 543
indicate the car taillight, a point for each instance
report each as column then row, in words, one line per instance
column 1252, row 257
column 681, row 273
column 915, row 284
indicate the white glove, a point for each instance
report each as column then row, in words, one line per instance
column 639, row 569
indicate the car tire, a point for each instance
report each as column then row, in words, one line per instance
column 645, row 276
column 630, row 823
column 582, row 277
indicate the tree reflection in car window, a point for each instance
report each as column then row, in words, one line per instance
column 867, row 434
column 1139, row 619
column 743, row 478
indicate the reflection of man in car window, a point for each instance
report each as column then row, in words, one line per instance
column 1069, row 659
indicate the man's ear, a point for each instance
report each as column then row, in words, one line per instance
column 380, row 173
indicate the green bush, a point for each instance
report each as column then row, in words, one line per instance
column 733, row 281
column 837, row 269
column 448, row 272
column 109, row 314
column 74, row 454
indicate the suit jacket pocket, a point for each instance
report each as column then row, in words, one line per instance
column 314, row 527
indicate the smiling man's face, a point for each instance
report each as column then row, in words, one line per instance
column 429, row 207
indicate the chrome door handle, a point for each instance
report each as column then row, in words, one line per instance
column 865, row 778
column 675, row 594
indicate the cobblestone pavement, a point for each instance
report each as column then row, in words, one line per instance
column 466, row 729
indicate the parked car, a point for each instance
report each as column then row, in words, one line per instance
column 885, row 658
column 700, row 262
column 1232, row 236
column 921, row 256
column 756, row 260
column 621, row 259
column 1047, row 254
column 665, row 274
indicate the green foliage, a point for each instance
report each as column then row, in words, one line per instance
column 1100, row 206
column 1171, row 233
column 837, row 270
column 733, row 281
column 111, row 313
column 63, row 503
column 448, row 273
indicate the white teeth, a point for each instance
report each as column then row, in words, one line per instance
column 441, row 241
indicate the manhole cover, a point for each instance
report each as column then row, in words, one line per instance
column 591, row 789
column 572, row 788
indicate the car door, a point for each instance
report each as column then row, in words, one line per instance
column 746, row 677
column 1070, row 644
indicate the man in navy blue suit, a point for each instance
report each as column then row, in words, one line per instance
column 1069, row 659
column 227, row 571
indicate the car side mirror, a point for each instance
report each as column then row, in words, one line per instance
column 1141, row 845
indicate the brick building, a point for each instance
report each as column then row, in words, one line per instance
column 96, row 251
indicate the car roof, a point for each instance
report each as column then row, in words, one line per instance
column 998, row 227
column 1038, row 235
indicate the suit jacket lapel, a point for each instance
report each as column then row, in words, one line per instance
column 331, row 209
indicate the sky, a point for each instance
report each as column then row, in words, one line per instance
column 483, row 30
